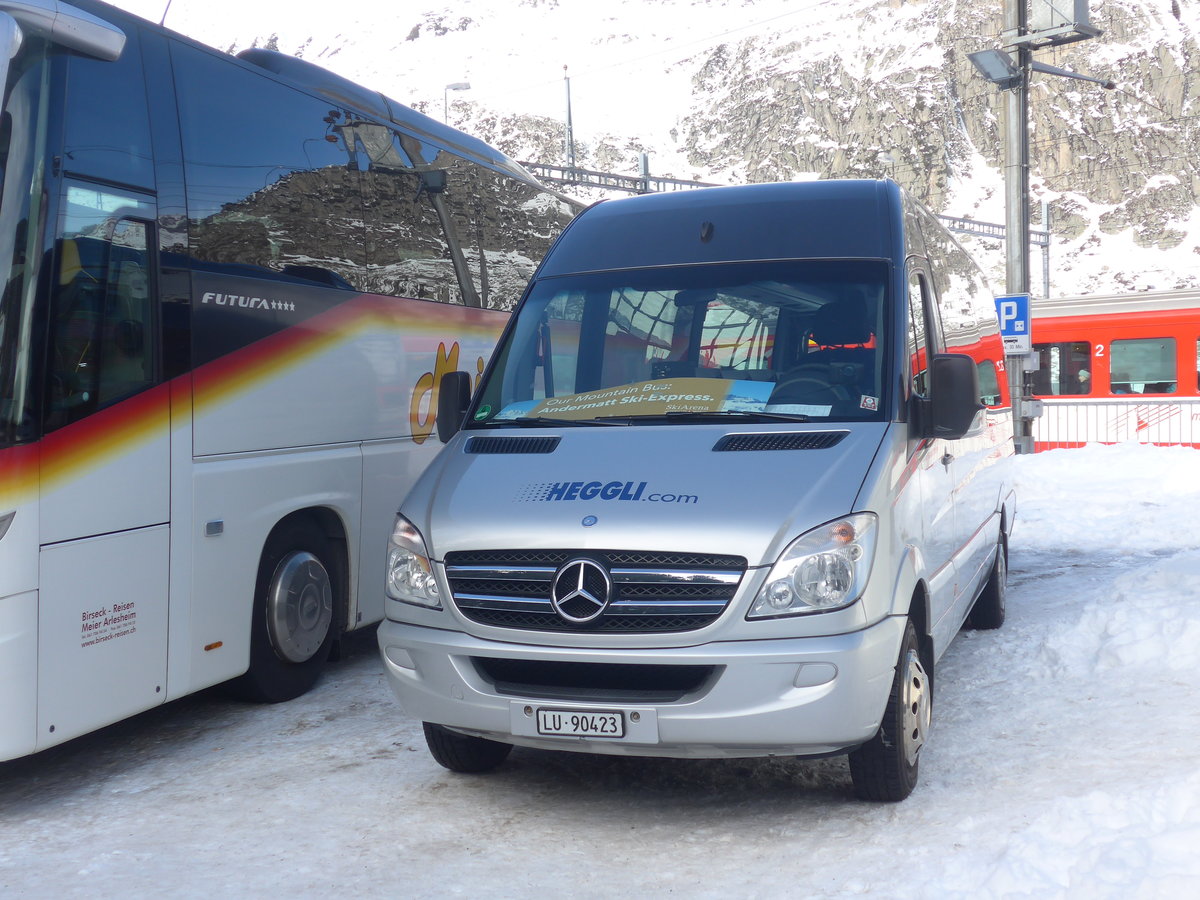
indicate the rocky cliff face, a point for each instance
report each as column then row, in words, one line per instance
column 1123, row 162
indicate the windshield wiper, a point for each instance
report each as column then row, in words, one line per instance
column 720, row 415
column 546, row 422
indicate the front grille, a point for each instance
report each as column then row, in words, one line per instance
column 651, row 591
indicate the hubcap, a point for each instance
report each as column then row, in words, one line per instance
column 917, row 707
column 299, row 606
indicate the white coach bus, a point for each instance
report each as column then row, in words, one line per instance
column 230, row 289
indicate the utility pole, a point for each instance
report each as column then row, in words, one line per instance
column 569, row 136
column 1056, row 22
column 1016, row 203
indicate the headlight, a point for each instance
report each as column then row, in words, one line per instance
column 823, row 570
column 409, row 572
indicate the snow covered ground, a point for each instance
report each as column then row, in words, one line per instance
column 1064, row 762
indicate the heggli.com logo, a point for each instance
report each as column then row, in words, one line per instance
column 597, row 490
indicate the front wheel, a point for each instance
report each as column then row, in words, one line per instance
column 885, row 768
column 463, row 753
column 294, row 619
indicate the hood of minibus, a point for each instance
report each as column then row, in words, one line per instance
column 684, row 488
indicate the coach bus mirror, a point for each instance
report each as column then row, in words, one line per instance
column 954, row 396
column 454, row 395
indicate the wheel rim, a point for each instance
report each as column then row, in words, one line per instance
column 917, row 706
column 299, row 606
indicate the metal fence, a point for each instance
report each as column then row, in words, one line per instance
column 1072, row 423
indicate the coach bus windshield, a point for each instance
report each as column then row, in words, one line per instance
column 768, row 340
column 22, row 142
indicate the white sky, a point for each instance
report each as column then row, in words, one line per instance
column 1064, row 762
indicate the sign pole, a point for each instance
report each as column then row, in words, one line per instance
column 1016, row 210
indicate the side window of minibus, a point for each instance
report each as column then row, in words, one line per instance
column 918, row 351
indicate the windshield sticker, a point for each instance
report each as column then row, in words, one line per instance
column 640, row 491
column 799, row 409
column 871, row 403
column 650, row 398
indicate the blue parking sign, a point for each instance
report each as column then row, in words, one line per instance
column 1015, row 330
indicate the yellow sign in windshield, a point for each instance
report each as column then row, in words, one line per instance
column 648, row 398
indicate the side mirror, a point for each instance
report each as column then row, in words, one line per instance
column 953, row 396
column 454, row 396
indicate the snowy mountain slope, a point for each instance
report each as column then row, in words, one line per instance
column 754, row 90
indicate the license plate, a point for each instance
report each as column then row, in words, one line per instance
column 580, row 723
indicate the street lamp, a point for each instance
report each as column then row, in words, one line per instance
column 1013, row 76
column 455, row 86
column 998, row 68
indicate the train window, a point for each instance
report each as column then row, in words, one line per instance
column 1064, row 368
column 1143, row 366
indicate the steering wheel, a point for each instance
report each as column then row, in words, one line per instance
column 809, row 384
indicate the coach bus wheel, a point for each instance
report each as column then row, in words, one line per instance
column 885, row 768
column 988, row 611
column 294, row 624
column 463, row 753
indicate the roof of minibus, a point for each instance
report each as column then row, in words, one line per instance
column 792, row 220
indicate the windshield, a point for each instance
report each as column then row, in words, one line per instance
column 22, row 139
column 800, row 339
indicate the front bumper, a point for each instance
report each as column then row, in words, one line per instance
column 788, row 697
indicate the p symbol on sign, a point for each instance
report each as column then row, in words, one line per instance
column 1009, row 312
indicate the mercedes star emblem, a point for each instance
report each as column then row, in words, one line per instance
column 581, row 591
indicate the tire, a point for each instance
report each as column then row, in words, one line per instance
column 988, row 611
column 886, row 767
column 295, row 621
column 463, row 753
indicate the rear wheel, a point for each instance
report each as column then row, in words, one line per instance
column 463, row 753
column 294, row 622
column 988, row 611
column 885, row 768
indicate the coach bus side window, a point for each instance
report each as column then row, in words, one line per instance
column 505, row 228
column 270, row 183
column 103, row 343
column 1143, row 366
column 107, row 123
column 1065, row 368
column 407, row 253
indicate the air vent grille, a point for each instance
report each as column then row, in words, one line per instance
column 512, row 444
column 774, row 440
